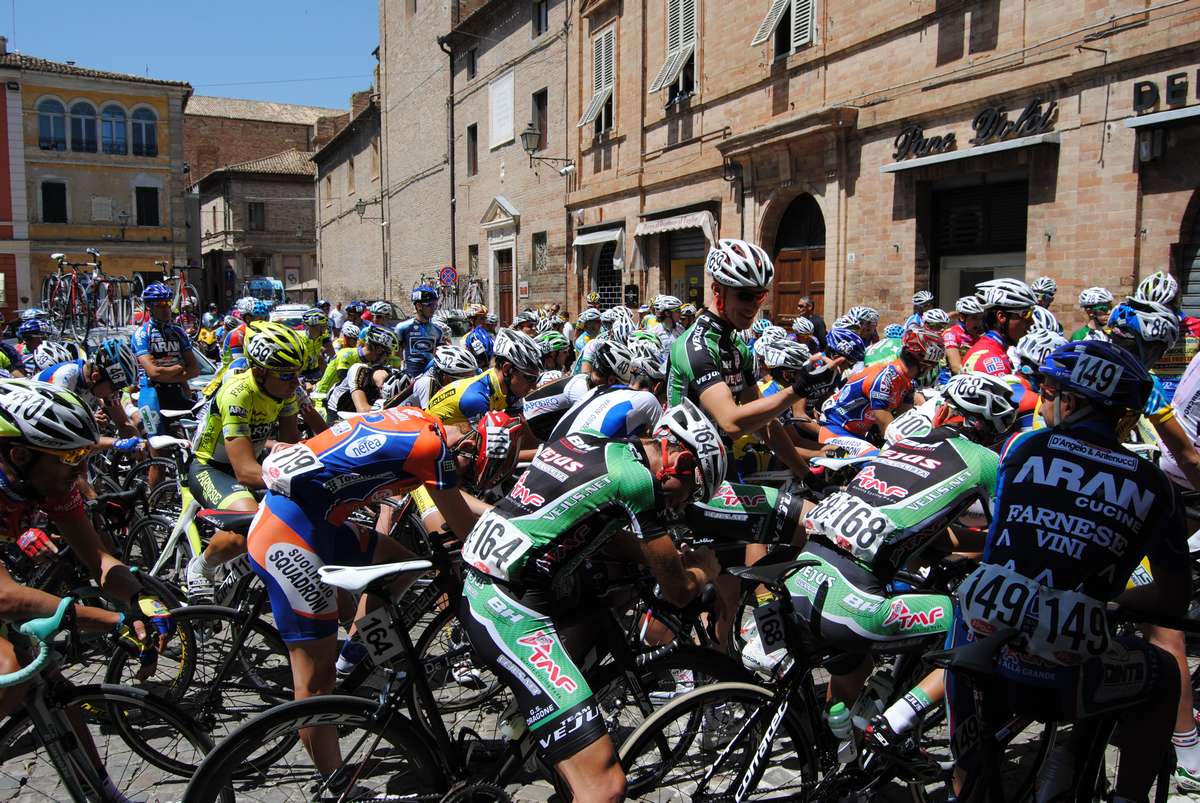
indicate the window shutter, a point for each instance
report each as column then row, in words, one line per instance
column 673, row 25
column 770, row 22
column 687, row 22
column 603, row 76
column 609, row 39
column 681, row 41
column 802, row 23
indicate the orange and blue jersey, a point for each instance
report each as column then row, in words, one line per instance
column 883, row 386
column 989, row 355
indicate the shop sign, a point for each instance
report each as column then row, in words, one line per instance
column 1174, row 92
column 522, row 289
column 912, row 142
column 992, row 123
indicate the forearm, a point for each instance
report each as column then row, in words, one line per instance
column 954, row 360
column 784, row 449
column 753, row 415
column 359, row 397
column 1181, row 449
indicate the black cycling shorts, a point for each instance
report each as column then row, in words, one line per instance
column 215, row 486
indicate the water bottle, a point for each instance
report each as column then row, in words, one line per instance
column 843, row 730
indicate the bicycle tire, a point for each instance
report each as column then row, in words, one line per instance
column 226, row 768
column 653, row 734
column 144, row 541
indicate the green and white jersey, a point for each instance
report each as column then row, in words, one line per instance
column 576, row 495
column 709, row 352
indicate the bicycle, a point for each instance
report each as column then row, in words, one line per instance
column 65, row 297
column 185, row 300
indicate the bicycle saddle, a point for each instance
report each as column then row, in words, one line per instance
column 173, row 414
column 977, row 658
column 356, row 579
column 772, row 575
column 234, row 521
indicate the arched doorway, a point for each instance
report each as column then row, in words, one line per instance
column 799, row 259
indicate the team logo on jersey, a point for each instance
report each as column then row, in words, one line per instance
column 907, row 619
column 867, row 480
column 539, row 645
column 729, row 498
column 368, row 444
column 526, row 496
column 551, row 457
column 994, row 365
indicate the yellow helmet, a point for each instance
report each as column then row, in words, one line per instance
column 276, row 347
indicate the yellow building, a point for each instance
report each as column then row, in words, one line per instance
column 103, row 168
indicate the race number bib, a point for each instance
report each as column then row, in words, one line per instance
column 494, row 546
column 994, row 598
column 769, row 621
column 283, row 466
column 851, row 524
column 379, row 636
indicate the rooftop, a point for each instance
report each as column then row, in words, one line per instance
column 240, row 109
column 288, row 163
column 21, row 61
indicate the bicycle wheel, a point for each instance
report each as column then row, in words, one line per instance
column 49, row 291
column 669, row 758
column 391, row 755
column 144, row 542
column 468, row 694
column 148, row 747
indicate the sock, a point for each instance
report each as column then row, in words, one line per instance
column 208, row 569
column 904, row 712
column 1187, row 750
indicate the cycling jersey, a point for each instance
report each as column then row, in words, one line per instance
column 852, row 409
column 338, row 367
column 913, row 321
column 239, row 410
column 69, row 375
column 18, row 514
column 165, row 343
column 989, row 355
column 545, row 407
column 614, row 411
column 886, row 350
column 1081, row 333
column 465, row 401
column 1187, row 411
column 234, row 344
column 667, row 336
column 314, row 485
column 423, row 389
column 418, row 340
column 580, row 346
column 480, row 343
column 958, row 338
column 648, row 323
column 707, row 353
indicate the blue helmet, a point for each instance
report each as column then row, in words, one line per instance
column 157, row 291
column 355, row 307
column 844, row 343
column 424, row 294
column 260, row 308
column 760, row 326
column 323, row 304
column 33, row 326
column 895, row 331
column 1102, row 373
column 115, row 359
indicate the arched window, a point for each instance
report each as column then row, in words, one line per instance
column 113, row 137
column 52, row 125
column 83, row 127
column 145, row 133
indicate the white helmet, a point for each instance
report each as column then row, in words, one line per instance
column 382, row 309
column 1095, row 296
column 611, row 358
column 1032, row 349
column 647, row 360
column 802, row 326
column 380, row 336
column 45, row 416
column 492, row 318
column 1148, row 320
column 589, row 314
column 1158, row 286
column 922, row 297
column 621, row 329
column 1008, row 294
column 50, row 353
column 1044, row 285
column 984, row 396
column 969, row 305
column 351, row 330
column 520, row 349
column 772, row 334
column 1044, row 319
column 456, row 361
column 666, row 304
column 737, row 263
column 785, row 354
column 935, row 317
column 845, row 322
column 546, row 377
column 863, row 314
column 607, row 316
column 693, row 429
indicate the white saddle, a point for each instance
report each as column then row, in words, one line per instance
column 355, row 578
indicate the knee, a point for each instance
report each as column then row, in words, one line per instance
column 8, row 658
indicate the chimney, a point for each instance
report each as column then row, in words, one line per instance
column 358, row 102
column 3, row 45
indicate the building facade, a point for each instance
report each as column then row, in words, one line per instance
column 258, row 220
column 879, row 149
column 100, row 163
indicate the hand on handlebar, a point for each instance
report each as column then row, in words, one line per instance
column 703, row 559
column 37, row 544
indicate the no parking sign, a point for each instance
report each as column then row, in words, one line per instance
column 448, row 275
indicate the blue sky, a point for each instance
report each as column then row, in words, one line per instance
column 302, row 51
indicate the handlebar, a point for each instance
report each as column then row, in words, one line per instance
column 41, row 631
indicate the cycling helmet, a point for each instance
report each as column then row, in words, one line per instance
column 382, row 309
column 456, row 361
column 1032, row 349
column 230, row 322
column 525, row 317
column 324, row 305
column 351, row 330
column 969, row 305
column 519, row 349
column 50, row 352
column 32, row 313
column 1103, row 373
column 1044, row 285
column 923, row 345
column 647, row 360
column 157, row 291
column 894, row 331
column 546, row 377
column 1095, row 297
column 552, row 341
column 259, row 309
column 45, row 416
column 643, row 336
column 922, row 297
column 33, row 326
column 666, row 304
column 690, row 427
column 844, row 343
column 274, row 346
column 1146, row 328
column 423, row 294
column 786, row 354
column 773, row 334
column 314, row 317
column 846, row 322
column 355, row 307
column 1044, row 319
column 802, row 326
column 760, row 326
column 490, row 470
column 607, row 317
column 396, row 385
column 473, row 310
column 588, row 315
column 621, row 329
column 644, row 308
column 688, row 309
column 593, row 297
column 935, row 317
column 737, row 263
column 1158, row 286
column 611, row 358
column 381, row 337
column 982, row 399
column 244, row 304
column 1008, row 294
column 115, row 360
column 863, row 314
column 492, row 318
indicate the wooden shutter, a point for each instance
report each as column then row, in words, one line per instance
column 802, row 23
column 770, row 22
column 603, row 75
column 671, row 67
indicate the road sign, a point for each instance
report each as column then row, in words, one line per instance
column 448, row 275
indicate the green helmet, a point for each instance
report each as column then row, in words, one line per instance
column 649, row 337
column 552, row 341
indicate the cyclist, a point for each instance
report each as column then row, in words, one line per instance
column 52, row 352
column 1045, row 289
column 479, row 340
column 687, row 316
column 1074, row 514
column 886, row 349
column 211, row 318
column 347, row 338
column 419, row 335
column 518, row 361
column 368, row 372
column 802, row 329
column 782, row 359
column 1096, row 303
column 450, row 363
column 1027, row 356
column 554, row 350
column 237, row 427
column 865, row 406
column 921, row 301
column 589, row 322
column 164, row 354
column 99, row 382
column 1008, row 309
column 526, row 323
column 1045, row 319
column 959, row 338
column 30, row 334
column 376, row 347
column 320, row 346
column 524, row 593
column 867, row 319
column 611, row 408
column 381, row 313
column 667, row 327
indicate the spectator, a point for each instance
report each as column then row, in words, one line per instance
column 807, row 309
column 337, row 317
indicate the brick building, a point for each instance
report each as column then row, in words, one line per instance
column 877, row 149
column 257, row 219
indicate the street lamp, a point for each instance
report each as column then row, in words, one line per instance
column 123, row 219
column 531, row 140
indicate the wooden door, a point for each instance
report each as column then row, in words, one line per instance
column 799, row 272
column 504, row 275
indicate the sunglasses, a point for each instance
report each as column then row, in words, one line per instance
column 684, row 465
column 751, row 296
column 1049, row 392
column 1103, row 309
column 70, row 457
column 290, row 376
